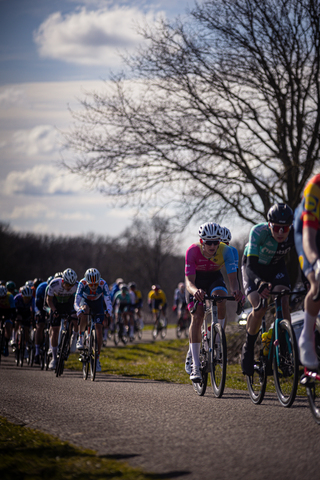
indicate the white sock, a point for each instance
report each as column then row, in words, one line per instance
column 195, row 349
column 54, row 353
column 307, row 333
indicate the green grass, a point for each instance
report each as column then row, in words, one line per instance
column 31, row 454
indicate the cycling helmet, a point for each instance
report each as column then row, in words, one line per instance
column 3, row 291
column 29, row 283
column 132, row 285
column 69, row 276
column 49, row 279
column 11, row 286
column 155, row 287
column 280, row 213
column 26, row 291
column 226, row 235
column 92, row 275
column 36, row 282
column 119, row 281
column 210, row 231
column 58, row 275
column 181, row 285
column 124, row 287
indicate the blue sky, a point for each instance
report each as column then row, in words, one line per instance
column 51, row 52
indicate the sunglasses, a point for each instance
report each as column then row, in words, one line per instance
column 281, row 228
column 92, row 285
column 211, row 242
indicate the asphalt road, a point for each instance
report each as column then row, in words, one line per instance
column 166, row 428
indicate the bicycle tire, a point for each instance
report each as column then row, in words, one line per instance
column 85, row 357
column 140, row 333
column 257, row 383
column 154, row 332
column 116, row 335
column 22, row 349
column 178, row 330
column 286, row 374
column 93, row 354
column 201, row 387
column 163, row 332
column 313, row 394
column 218, row 363
column 60, row 362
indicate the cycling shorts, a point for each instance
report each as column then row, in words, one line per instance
column 305, row 265
column 156, row 304
column 274, row 274
column 96, row 308
column 61, row 308
column 210, row 282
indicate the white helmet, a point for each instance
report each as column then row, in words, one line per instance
column 69, row 276
column 92, row 275
column 3, row 291
column 210, row 231
column 226, row 236
column 26, row 291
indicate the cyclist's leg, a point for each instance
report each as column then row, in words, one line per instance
column 40, row 322
column 218, row 287
column 195, row 340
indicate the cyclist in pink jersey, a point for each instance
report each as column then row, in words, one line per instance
column 204, row 261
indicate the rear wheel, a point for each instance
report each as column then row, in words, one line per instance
column 218, row 362
column 93, row 354
column 178, row 329
column 164, row 324
column 85, row 357
column 60, row 363
column 286, row 364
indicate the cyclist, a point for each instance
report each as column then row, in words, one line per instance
column 60, row 298
column 7, row 311
column 40, row 316
column 123, row 305
column 263, row 269
column 116, row 287
column 179, row 301
column 204, row 261
column 157, row 301
column 11, row 287
column 136, row 298
column 92, row 294
column 25, row 306
column 307, row 242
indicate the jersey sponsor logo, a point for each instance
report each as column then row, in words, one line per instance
column 311, row 203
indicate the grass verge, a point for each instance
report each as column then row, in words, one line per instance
column 31, row 454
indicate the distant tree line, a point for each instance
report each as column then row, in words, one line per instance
column 143, row 254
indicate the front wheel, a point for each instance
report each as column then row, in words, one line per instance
column 201, row 387
column 163, row 324
column 313, row 393
column 60, row 363
column 93, row 354
column 286, row 364
column 218, row 364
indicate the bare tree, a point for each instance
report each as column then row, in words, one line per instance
column 220, row 112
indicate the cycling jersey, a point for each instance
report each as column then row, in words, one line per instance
column 26, row 310
column 136, row 297
column 85, row 293
column 307, row 214
column 159, row 296
column 7, row 302
column 56, row 290
column 121, row 299
column 179, row 297
column 262, row 245
column 197, row 263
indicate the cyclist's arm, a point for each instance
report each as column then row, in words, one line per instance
column 196, row 292
column 107, row 299
column 234, row 286
column 309, row 244
column 252, row 267
column 50, row 303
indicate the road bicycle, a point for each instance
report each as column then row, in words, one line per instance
column 138, row 324
column 31, row 346
column 282, row 360
column 89, row 354
column 213, row 348
column 160, row 325
column 183, row 323
column 44, row 355
column 64, row 345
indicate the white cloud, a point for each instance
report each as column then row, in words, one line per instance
column 90, row 37
column 41, row 180
column 40, row 140
column 10, row 95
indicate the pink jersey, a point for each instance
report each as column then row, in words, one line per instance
column 196, row 262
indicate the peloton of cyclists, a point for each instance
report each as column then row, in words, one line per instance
column 307, row 242
column 92, row 295
column 203, row 263
column 263, row 269
column 60, row 299
column 157, row 301
column 123, row 305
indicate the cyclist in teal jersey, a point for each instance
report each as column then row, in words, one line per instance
column 263, row 269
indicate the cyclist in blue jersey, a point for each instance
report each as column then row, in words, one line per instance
column 92, row 294
column 263, row 269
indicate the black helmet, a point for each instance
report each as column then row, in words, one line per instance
column 280, row 213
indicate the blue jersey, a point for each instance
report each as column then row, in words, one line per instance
column 85, row 293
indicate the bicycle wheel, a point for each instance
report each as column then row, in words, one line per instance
column 154, row 332
column 60, row 362
column 200, row 388
column 94, row 354
column 85, row 356
column 257, row 383
column 164, row 324
column 286, row 364
column 218, row 364
column 313, row 393
column 116, row 335
column 178, row 329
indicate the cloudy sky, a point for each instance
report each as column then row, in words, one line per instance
column 51, row 52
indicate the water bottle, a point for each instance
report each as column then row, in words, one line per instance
column 266, row 339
